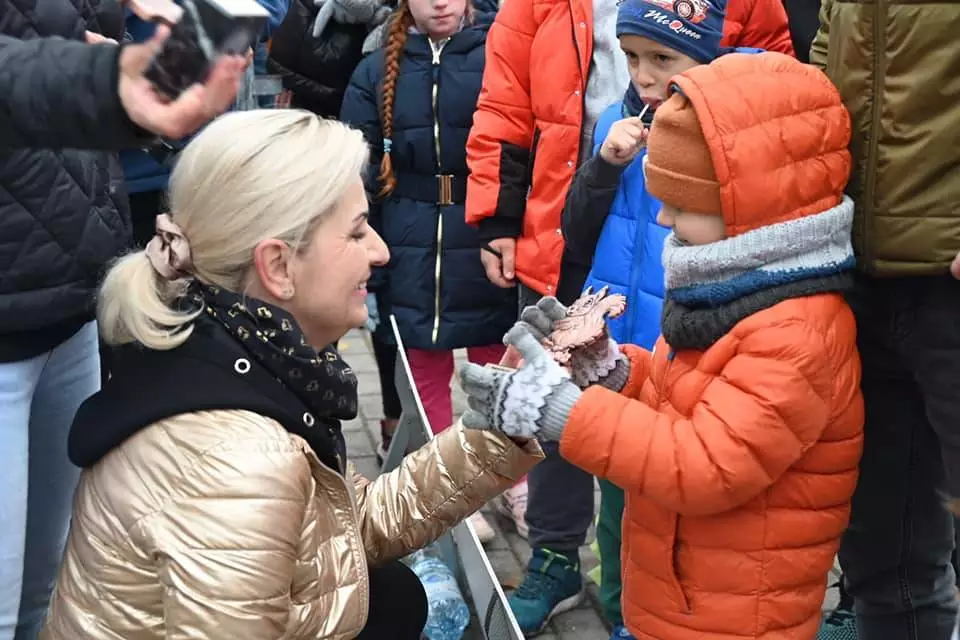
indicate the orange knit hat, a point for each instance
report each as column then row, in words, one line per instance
column 759, row 139
column 679, row 167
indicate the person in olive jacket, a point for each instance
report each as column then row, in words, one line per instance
column 895, row 65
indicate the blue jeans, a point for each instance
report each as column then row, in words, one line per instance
column 896, row 553
column 38, row 400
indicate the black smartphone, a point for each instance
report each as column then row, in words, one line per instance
column 203, row 31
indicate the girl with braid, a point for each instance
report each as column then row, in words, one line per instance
column 414, row 101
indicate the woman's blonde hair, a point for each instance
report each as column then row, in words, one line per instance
column 247, row 177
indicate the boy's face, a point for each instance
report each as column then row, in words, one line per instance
column 651, row 66
column 692, row 228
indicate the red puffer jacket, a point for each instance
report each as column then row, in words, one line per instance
column 525, row 140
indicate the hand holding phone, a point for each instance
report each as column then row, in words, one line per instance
column 201, row 31
column 178, row 118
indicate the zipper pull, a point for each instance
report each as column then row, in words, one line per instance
column 437, row 48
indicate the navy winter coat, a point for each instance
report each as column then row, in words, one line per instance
column 435, row 283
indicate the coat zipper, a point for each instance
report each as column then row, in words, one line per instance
column 662, row 388
column 639, row 251
column 362, row 564
column 583, row 80
column 437, row 48
column 875, row 108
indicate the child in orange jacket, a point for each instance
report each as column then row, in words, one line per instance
column 737, row 440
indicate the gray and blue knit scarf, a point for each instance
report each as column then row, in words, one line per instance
column 711, row 287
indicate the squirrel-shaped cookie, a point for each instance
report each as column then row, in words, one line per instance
column 584, row 324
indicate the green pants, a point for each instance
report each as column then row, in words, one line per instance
column 608, row 538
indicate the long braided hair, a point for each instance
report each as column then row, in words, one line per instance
column 400, row 23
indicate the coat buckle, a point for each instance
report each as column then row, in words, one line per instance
column 445, row 189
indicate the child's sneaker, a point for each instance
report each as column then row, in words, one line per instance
column 512, row 504
column 551, row 586
column 840, row 624
column 620, row 633
column 482, row 528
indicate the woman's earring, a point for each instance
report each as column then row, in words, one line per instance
column 287, row 293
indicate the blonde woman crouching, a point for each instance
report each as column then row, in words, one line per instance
column 215, row 501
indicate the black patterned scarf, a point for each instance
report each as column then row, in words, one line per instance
column 319, row 378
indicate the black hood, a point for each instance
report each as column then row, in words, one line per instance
column 147, row 386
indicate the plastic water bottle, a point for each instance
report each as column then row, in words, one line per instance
column 448, row 614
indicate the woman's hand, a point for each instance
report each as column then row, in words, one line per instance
column 96, row 38
column 530, row 402
column 195, row 107
column 511, row 358
column 589, row 365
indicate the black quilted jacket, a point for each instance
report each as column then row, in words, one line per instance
column 316, row 70
column 63, row 212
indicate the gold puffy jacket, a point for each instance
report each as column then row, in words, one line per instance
column 223, row 525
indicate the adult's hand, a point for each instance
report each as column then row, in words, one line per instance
column 498, row 261
column 96, row 38
column 195, row 107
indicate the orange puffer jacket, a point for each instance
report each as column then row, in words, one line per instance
column 525, row 141
column 739, row 462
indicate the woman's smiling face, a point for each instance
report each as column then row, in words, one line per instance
column 331, row 273
column 324, row 283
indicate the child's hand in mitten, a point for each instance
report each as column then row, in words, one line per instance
column 600, row 362
column 533, row 401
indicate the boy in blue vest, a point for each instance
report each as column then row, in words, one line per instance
column 609, row 219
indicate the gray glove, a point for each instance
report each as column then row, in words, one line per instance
column 601, row 363
column 376, row 39
column 373, row 312
column 533, row 401
column 371, row 12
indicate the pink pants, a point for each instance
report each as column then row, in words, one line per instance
column 432, row 372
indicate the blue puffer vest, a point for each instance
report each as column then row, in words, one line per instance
column 628, row 253
column 628, row 257
column 435, row 284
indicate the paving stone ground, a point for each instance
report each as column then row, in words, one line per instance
column 508, row 553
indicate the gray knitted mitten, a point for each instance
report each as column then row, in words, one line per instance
column 533, row 401
column 376, row 39
column 600, row 363
column 370, row 12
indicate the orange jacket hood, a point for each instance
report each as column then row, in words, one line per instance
column 777, row 132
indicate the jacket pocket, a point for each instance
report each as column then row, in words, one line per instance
column 683, row 603
column 531, row 163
